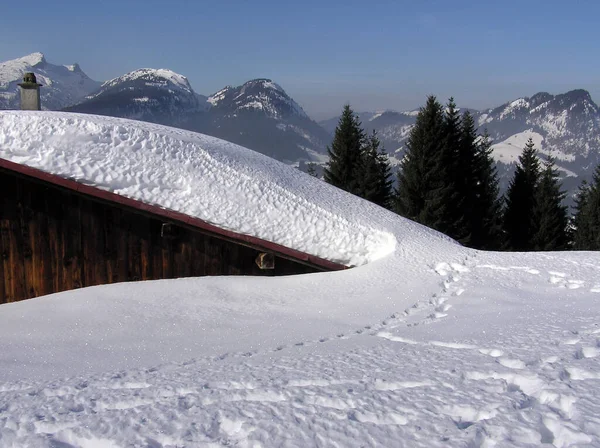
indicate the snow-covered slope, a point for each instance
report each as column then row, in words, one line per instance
column 63, row 85
column 429, row 344
column 154, row 95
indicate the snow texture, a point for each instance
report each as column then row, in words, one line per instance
column 433, row 345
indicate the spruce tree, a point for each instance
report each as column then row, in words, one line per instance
column 376, row 185
column 457, row 172
column 422, row 189
column 518, row 224
column 587, row 215
column 549, row 215
column 345, row 154
column 482, row 204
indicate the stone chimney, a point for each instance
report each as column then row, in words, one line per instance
column 30, row 93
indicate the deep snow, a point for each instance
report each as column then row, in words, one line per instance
column 425, row 344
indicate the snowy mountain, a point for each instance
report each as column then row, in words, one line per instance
column 565, row 126
column 258, row 114
column 424, row 344
column 154, row 95
column 262, row 116
column 258, row 95
column 63, row 85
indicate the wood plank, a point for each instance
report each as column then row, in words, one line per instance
column 53, row 239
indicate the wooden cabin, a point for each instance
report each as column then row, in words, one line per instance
column 57, row 234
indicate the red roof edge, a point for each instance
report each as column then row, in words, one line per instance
column 170, row 214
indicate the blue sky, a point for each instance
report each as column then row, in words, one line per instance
column 376, row 55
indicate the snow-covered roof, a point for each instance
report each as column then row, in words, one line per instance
column 200, row 176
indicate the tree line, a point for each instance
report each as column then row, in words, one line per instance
column 448, row 181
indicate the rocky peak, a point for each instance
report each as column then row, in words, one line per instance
column 262, row 96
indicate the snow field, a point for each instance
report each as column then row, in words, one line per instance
column 481, row 374
column 426, row 344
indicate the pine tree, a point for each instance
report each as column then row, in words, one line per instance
column 518, row 225
column 422, row 190
column 345, row 154
column 457, row 160
column 549, row 215
column 376, row 185
column 587, row 215
column 482, row 205
column 580, row 222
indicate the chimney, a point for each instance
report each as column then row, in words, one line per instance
column 30, row 93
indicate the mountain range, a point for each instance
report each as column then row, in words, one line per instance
column 565, row 126
column 260, row 115
column 63, row 85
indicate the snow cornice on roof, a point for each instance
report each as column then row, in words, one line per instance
column 177, row 217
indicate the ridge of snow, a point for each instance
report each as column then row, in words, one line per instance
column 377, row 115
column 519, row 103
column 169, row 76
column 201, row 176
column 268, row 84
column 215, row 98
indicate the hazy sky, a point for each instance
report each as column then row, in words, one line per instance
column 375, row 55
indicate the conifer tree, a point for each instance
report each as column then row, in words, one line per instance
column 345, row 153
column 457, row 160
column 422, row 189
column 376, row 185
column 580, row 223
column 587, row 215
column 482, row 204
column 549, row 215
column 518, row 225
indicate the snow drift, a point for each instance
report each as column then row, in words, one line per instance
column 201, row 176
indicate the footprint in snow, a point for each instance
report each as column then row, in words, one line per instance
column 587, row 352
column 453, row 345
column 442, row 269
column 493, row 352
column 575, row 284
column 398, row 385
column 511, row 363
column 387, row 418
column 460, row 268
column 445, row 269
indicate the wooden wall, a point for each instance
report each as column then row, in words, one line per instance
column 53, row 239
